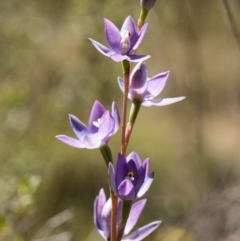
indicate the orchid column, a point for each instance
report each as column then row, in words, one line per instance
column 130, row 179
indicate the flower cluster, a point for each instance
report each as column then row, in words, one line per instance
column 130, row 179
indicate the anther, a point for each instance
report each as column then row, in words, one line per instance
column 97, row 123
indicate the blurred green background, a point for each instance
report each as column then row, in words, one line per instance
column 49, row 69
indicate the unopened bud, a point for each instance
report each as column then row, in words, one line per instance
column 147, row 4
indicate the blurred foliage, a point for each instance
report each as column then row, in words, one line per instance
column 17, row 202
column 48, row 69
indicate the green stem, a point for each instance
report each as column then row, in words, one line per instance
column 107, row 154
column 136, row 104
column 126, row 210
column 141, row 21
column 126, row 74
column 125, row 213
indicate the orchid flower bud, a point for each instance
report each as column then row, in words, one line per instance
column 147, row 4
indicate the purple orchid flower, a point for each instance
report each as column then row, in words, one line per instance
column 130, row 180
column 122, row 43
column 144, row 89
column 102, row 125
column 102, row 219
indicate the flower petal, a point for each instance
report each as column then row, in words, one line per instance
column 116, row 117
column 135, row 157
column 138, row 81
column 106, row 126
column 130, row 26
column 118, row 57
column 101, row 48
column 132, row 166
column 145, row 166
column 112, row 181
column 121, row 169
column 79, row 128
column 96, row 114
column 133, row 169
column 70, row 141
column 91, row 142
column 140, row 179
column 134, row 215
column 101, row 202
column 112, row 35
column 146, row 185
column 142, row 232
column 121, row 83
column 98, row 207
column 157, row 83
column 106, row 217
column 97, row 219
column 119, row 212
column 140, row 37
column 126, row 190
column 137, row 58
column 162, row 102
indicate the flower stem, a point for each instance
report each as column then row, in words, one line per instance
column 126, row 74
column 107, row 154
column 114, row 199
column 136, row 104
column 141, row 20
column 125, row 213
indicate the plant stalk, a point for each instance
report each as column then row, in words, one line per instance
column 125, row 213
column 126, row 74
column 114, row 199
column 136, row 104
